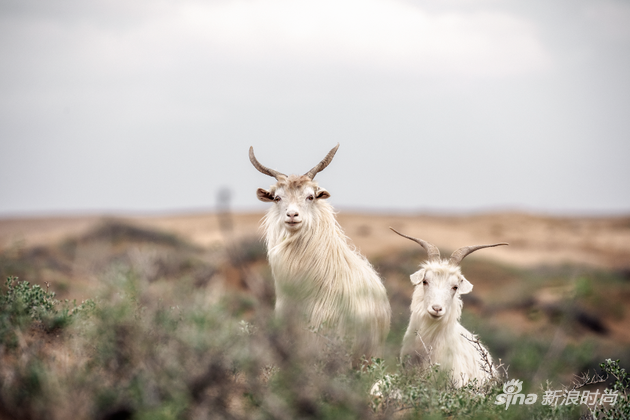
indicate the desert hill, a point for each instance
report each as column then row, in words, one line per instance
column 534, row 240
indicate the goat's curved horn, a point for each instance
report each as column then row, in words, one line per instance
column 262, row 168
column 432, row 250
column 322, row 165
column 460, row 254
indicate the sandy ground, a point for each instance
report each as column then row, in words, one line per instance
column 534, row 239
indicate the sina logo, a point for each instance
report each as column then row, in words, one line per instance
column 513, row 387
column 511, row 394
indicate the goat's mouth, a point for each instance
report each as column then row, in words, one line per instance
column 293, row 223
column 435, row 316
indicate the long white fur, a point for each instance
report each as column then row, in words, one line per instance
column 444, row 340
column 319, row 274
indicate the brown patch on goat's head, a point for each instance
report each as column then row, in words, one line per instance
column 294, row 182
column 298, row 187
column 292, row 185
column 285, row 183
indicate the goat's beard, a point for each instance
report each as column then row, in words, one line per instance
column 436, row 318
column 429, row 317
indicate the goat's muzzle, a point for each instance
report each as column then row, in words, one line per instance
column 436, row 311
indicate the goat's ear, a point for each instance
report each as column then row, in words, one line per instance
column 322, row 193
column 417, row 277
column 264, row 195
column 464, row 286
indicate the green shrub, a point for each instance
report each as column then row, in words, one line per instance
column 152, row 349
column 23, row 305
column 621, row 386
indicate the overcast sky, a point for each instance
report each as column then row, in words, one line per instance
column 463, row 105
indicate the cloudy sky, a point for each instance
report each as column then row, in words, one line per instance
column 455, row 105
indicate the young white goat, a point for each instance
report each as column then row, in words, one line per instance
column 434, row 334
column 317, row 274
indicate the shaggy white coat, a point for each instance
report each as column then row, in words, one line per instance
column 443, row 339
column 318, row 273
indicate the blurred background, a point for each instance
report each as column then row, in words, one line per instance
column 124, row 179
column 151, row 106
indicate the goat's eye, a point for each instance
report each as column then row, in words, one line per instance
column 310, row 197
column 454, row 287
column 276, row 198
column 425, row 282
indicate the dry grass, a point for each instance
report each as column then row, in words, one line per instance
column 182, row 325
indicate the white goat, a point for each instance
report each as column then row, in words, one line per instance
column 434, row 334
column 315, row 270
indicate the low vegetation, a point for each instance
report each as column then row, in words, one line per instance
column 153, row 344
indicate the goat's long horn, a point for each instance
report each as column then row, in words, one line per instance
column 322, row 165
column 432, row 250
column 262, row 168
column 460, row 254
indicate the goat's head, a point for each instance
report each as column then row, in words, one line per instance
column 294, row 196
column 440, row 282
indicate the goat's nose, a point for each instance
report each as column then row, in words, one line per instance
column 292, row 214
column 437, row 308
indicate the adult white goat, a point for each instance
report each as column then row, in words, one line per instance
column 317, row 274
column 434, row 334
